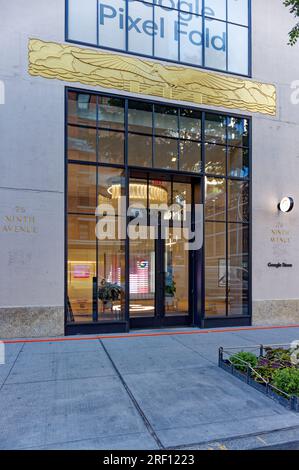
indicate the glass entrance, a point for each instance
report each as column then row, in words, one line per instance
column 121, row 151
column 176, row 277
column 159, row 263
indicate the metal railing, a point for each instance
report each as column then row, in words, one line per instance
column 263, row 385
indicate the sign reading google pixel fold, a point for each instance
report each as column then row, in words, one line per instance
column 206, row 33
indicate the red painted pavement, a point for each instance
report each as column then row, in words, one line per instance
column 139, row 335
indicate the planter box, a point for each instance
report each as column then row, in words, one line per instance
column 292, row 403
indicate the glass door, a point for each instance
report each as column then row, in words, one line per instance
column 176, row 277
column 159, row 264
column 142, row 278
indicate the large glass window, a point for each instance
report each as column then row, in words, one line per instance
column 226, row 216
column 205, row 33
column 82, row 109
column 166, row 44
column 140, row 38
column 140, row 150
column 95, row 267
column 110, row 17
column 215, row 159
column 111, row 147
column 140, row 117
column 215, row 269
column 164, row 137
column 95, row 138
column 111, row 253
column 216, row 44
column 81, row 272
column 82, row 25
column 81, row 189
column 238, row 269
column 190, row 156
column 82, row 143
column 166, row 153
column 190, row 37
column 111, row 113
column 106, row 137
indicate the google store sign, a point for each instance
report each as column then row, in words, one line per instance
column 110, row 16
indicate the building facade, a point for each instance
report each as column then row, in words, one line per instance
column 190, row 104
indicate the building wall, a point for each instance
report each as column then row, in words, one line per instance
column 275, row 170
column 32, row 173
column 31, row 177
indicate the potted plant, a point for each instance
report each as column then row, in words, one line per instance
column 170, row 289
column 108, row 293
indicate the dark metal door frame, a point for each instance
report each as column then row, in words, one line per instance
column 159, row 319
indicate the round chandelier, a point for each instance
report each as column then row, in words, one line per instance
column 138, row 192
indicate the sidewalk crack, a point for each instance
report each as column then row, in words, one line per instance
column 133, row 399
column 10, row 370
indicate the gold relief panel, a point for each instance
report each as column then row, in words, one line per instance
column 134, row 75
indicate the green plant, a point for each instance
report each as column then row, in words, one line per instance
column 287, row 380
column 109, row 292
column 280, row 355
column 266, row 372
column 273, row 360
column 170, row 289
column 240, row 359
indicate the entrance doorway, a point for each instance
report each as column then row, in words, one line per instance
column 160, row 267
column 130, row 150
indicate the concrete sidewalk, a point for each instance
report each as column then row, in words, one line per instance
column 146, row 392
